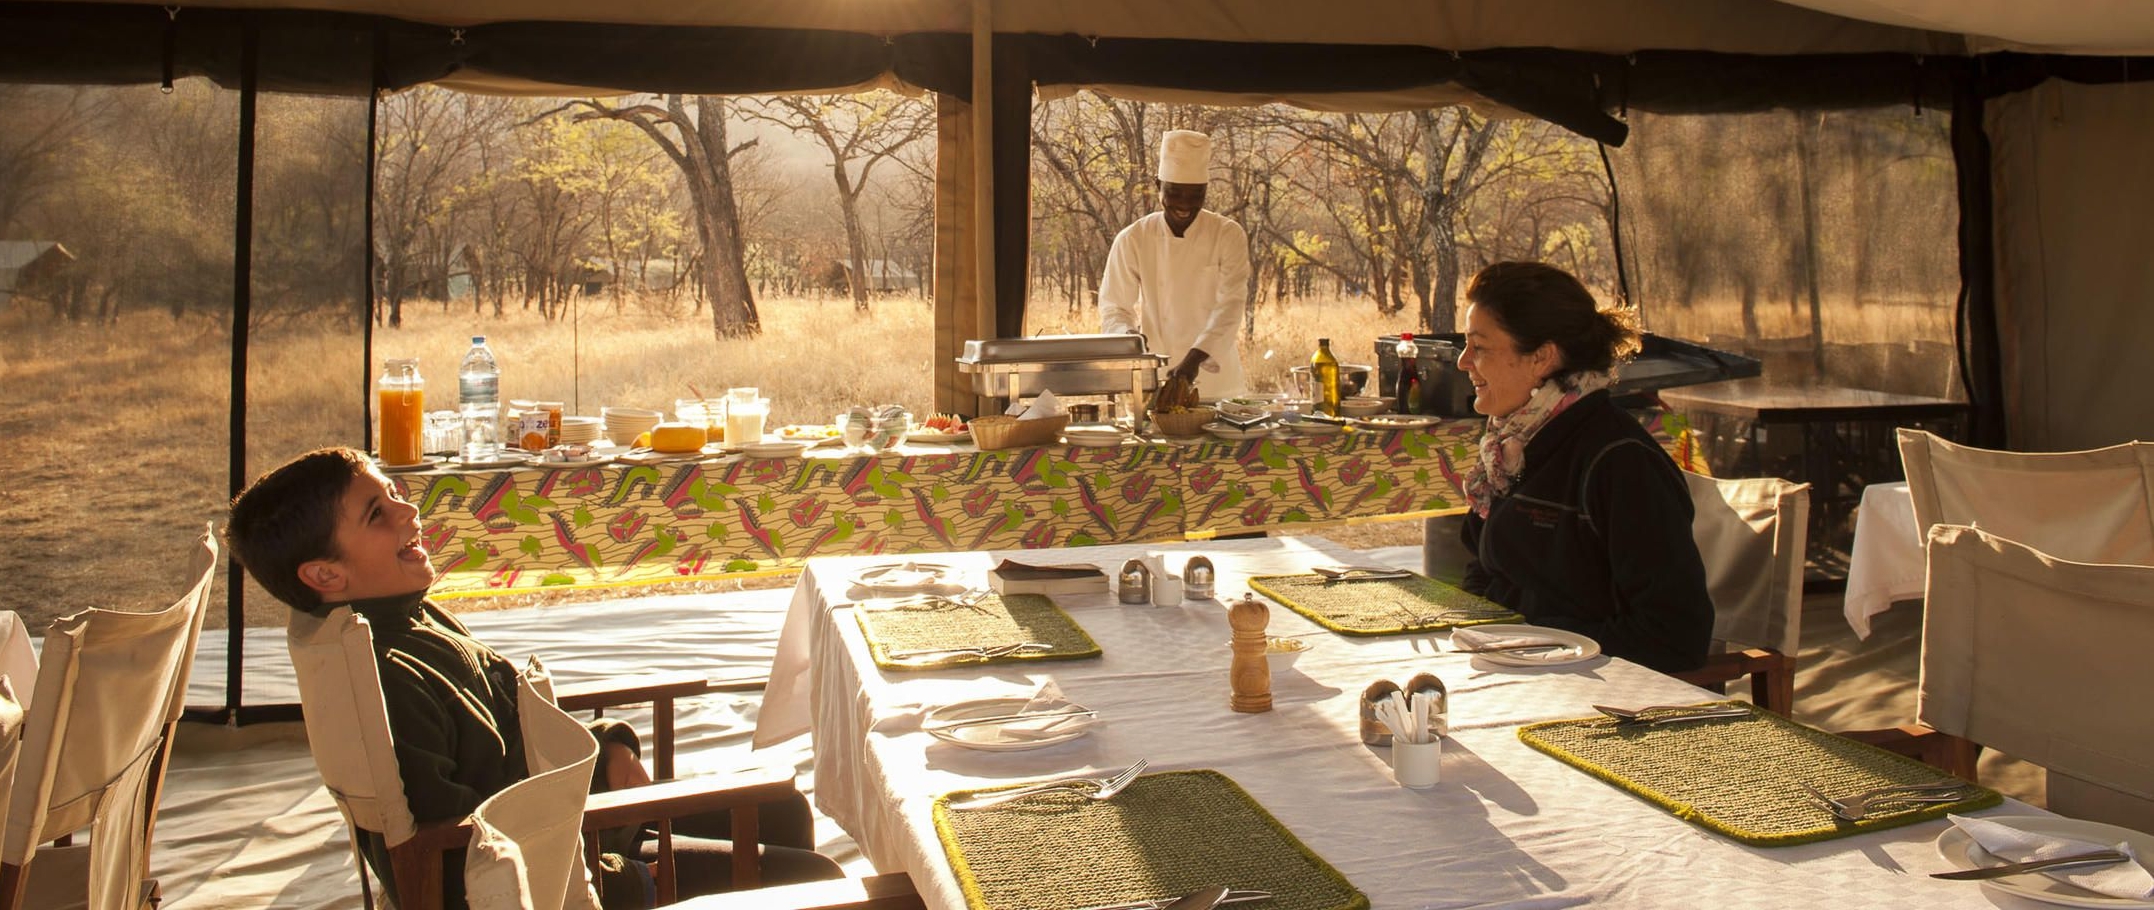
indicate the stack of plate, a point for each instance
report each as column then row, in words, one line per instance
column 623, row 425
column 1094, row 435
column 579, row 430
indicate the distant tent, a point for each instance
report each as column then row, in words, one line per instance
column 31, row 267
column 884, row 277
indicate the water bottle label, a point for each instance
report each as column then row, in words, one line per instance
column 478, row 388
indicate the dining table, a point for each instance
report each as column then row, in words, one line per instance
column 1507, row 825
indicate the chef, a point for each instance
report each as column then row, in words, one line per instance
column 1181, row 277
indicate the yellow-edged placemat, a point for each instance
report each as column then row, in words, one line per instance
column 1742, row 777
column 995, row 619
column 1387, row 606
column 1167, row 835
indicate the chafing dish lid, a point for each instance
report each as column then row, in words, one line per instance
column 1047, row 348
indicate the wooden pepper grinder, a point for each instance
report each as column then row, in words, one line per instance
column 1252, row 673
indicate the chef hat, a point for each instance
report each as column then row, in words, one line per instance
column 1185, row 156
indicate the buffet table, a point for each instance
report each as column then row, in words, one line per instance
column 497, row 531
column 1507, row 826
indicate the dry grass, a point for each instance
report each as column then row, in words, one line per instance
column 115, row 444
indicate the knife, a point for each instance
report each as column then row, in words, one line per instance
column 1518, row 646
column 2098, row 858
column 1200, row 899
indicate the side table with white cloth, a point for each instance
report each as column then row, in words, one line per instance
column 1886, row 564
column 1507, row 826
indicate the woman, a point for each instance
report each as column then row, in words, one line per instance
column 1579, row 520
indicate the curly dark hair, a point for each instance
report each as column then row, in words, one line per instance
column 1539, row 303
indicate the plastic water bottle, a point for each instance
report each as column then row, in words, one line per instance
column 478, row 396
column 1409, row 384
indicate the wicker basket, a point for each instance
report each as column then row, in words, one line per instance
column 1184, row 423
column 1001, row 431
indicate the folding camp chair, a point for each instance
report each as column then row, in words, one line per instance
column 92, row 752
column 1750, row 532
column 2095, row 506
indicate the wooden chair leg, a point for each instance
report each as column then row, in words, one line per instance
column 1951, row 754
column 13, row 880
column 662, row 738
column 747, row 851
column 418, row 878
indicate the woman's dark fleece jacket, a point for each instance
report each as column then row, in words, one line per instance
column 1595, row 537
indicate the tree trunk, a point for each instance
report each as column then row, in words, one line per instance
column 710, row 184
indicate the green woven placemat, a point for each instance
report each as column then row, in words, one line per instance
column 1382, row 607
column 1167, row 835
column 996, row 619
column 1742, row 777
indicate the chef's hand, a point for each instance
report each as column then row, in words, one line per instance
column 1179, row 391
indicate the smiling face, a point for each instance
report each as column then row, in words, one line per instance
column 377, row 544
column 1503, row 379
column 1181, row 202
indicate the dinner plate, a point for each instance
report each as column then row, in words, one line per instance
column 774, row 449
column 1963, row 853
column 1095, row 438
column 995, row 737
column 938, row 439
column 1583, row 648
column 580, row 463
column 1230, row 431
column 503, row 460
column 426, row 462
column 902, row 577
column 1310, row 428
column 1398, row 422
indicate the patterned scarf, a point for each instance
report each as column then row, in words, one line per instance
column 1503, row 443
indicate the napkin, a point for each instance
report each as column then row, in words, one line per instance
column 2129, row 879
column 1474, row 640
column 1048, row 700
column 1044, row 406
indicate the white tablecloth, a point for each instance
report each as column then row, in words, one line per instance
column 1508, row 826
column 1887, row 564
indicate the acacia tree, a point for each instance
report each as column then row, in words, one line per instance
column 693, row 136
column 859, row 132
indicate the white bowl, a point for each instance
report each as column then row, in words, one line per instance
column 1364, row 406
column 1281, row 661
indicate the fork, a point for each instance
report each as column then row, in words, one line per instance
column 984, row 652
column 1101, row 788
column 1855, row 807
column 1233, row 896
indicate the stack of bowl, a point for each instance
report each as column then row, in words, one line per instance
column 623, row 425
column 580, row 431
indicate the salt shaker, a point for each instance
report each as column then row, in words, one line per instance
column 1197, row 577
column 1134, row 583
column 1440, row 709
column 1373, row 731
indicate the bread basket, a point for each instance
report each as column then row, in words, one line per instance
column 1184, row 423
column 1001, row 431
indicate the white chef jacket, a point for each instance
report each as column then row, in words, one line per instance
column 1183, row 292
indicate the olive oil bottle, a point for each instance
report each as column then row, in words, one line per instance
column 1324, row 375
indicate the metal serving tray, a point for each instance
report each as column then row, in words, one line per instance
column 1066, row 364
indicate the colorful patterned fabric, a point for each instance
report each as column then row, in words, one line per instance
column 525, row 528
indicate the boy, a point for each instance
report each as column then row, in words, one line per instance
column 328, row 529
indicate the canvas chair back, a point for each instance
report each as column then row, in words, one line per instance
column 2037, row 657
column 526, row 843
column 18, row 660
column 348, row 720
column 2092, row 506
column 87, row 760
column 1751, row 532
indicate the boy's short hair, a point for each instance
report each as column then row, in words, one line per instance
column 288, row 517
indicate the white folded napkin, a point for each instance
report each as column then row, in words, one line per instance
column 2128, row 879
column 1044, row 406
column 1472, row 640
column 1048, row 700
column 908, row 575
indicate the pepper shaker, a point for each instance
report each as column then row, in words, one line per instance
column 1440, row 711
column 1197, row 577
column 1251, row 670
column 1373, row 731
column 1134, row 583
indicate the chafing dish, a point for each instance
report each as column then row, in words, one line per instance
column 1019, row 368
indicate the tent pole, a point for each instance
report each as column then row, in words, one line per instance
column 983, row 157
column 242, row 314
column 1981, row 363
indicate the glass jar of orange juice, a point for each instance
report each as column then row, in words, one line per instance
column 403, row 411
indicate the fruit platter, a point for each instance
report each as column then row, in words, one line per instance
column 942, row 429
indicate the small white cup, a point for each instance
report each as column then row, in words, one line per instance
column 1166, row 590
column 1418, row 766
